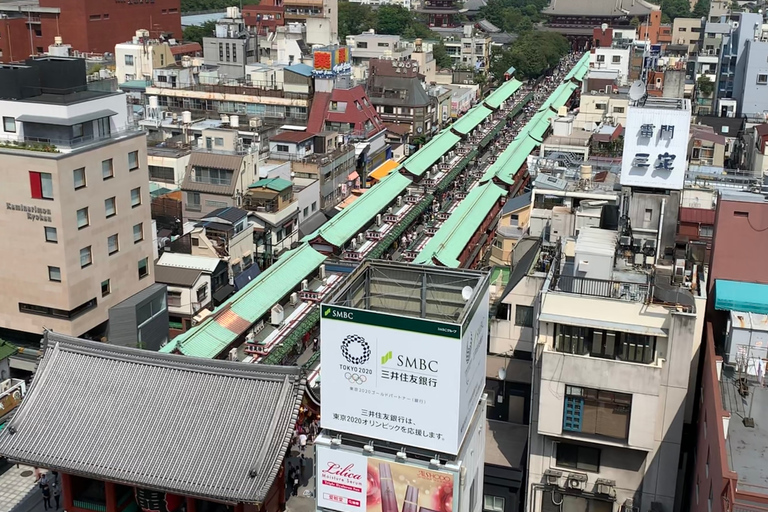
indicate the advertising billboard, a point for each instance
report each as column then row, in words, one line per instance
column 401, row 379
column 331, row 61
column 352, row 482
column 656, row 147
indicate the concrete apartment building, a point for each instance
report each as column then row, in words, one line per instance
column 77, row 201
column 687, row 31
column 232, row 47
column 138, row 58
column 218, row 175
column 612, row 370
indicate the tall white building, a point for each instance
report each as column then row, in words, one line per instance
column 614, row 370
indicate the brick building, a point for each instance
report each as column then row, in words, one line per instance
column 28, row 28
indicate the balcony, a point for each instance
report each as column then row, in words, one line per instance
column 606, row 289
column 303, row 3
column 45, row 145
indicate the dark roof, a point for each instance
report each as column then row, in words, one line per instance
column 163, row 422
column 516, row 203
column 697, row 216
column 176, row 276
column 702, row 133
column 214, row 161
column 608, row 8
column 67, row 121
column 291, row 136
column 415, row 95
column 400, row 129
column 186, row 48
column 762, row 129
column 311, row 224
column 7, row 349
column 230, row 214
column 522, row 268
column 487, row 26
column 725, row 126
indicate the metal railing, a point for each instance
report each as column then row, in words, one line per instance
column 607, row 289
column 86, row 140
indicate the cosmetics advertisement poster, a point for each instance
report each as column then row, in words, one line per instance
column 350, row 482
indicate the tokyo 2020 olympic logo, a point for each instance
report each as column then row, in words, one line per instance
column 355, row 349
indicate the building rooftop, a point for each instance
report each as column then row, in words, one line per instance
column 63, row 425
column 229, row 214
column 175, row 259
column 608, row 8
column 291, row 136
column 411, row 291
column 746, row 446
column 176, row 276
column 276, row 184
column 742, row 196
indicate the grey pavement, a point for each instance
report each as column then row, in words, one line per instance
column 305, row 500
column 19, row 491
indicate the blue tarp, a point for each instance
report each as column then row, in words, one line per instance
column 741, row 296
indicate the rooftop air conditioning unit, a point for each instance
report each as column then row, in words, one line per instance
column 321, row 272
column 250, row 337
column 361, row 238
column 233, row 354
column 304, row 285
column 277, row 315
column 294, row 299
column 378, row 219
column 399, row 200
column 576, row 481
column 606, row 487
column 353, row 245
column 552, row 476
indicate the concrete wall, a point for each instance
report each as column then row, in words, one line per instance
column 656, row 203
column 753, row 96
column 505, row 336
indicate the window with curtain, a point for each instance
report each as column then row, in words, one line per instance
column 138, row 233
column 79, row 178
column 524, row 316
column 135, row 197
column 109, row 207
column 112, row 244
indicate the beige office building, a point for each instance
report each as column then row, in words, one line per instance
column 76, row 220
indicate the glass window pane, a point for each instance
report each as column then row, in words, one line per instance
column 106, row 169
column 82, row 217
column 51, row 235
column 85, row 256
column 138, row 232
column 79, row 177
column 109, row 206
column 54, row 273
column 133, row 160
column 112, row 244
column 46, row 182
column 136, row 197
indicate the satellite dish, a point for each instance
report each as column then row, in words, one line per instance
column 637, row 90
column 604, row 26
column 466, row 293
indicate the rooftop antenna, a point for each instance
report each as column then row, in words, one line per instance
column 638, row 92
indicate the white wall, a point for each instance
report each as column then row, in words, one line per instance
column 612, row 59
column 505, row 335
column 307, row 196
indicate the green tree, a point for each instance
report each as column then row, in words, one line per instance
column 701, row 9
column 442, row 59
column 392, row 19
column 211, row 5
column 705, row 86
column 196, row 33
column 635, row 22
column 354, row 19
column 676, row 9
column 531, row 54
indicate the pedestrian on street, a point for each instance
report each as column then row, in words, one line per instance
column 56, row 494
column 302, row 442
column 45, row 490
column 314, row 345
column 295, row 489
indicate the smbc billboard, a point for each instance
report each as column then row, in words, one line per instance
column 407, row 380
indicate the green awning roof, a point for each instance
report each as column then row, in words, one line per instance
column 255, row 300
column 276, row 184
column 471, row 119
column 741, row 296
column 342, row 227
column 426, row 157
column 502, row 93
column 456, row 232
